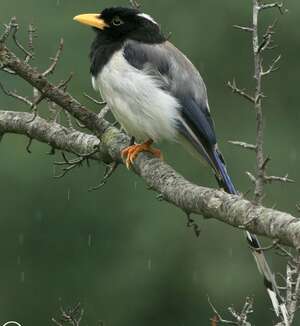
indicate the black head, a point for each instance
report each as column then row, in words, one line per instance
column 118, row 24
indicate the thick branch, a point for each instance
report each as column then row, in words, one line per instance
column 51, row 133
column 211, row 203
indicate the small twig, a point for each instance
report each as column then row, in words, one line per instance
column 56, row 322
column 104, row 110
column 7, row 70
column 135, row 4
column 243, row 145
column 31, row 35
column 251, row 177
column 271, row 246
column 15, row 95
column 265, row 163
column 71, row 316
column 285, row 179
column 15, row 29
column 55, row 111
column 8, row 28
column 219, row 317
column 64, row 83
column 284, row 252
column 55, row 60
column 72, row 164
column 69, row 119
column 239, row 91
column 94, row 100
column 244, row 28
column 29, row 145
column 109, row 170
column 272, row 67
column 192, row 224
column 277, row 5
column 38, row 98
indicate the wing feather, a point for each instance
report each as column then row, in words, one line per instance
column 179, row 77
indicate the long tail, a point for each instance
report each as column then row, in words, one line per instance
column 269, row 280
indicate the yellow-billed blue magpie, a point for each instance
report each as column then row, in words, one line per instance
column 156, row 93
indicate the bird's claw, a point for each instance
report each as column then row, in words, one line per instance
column 132, row 152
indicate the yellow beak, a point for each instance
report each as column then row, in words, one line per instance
column 93, row 20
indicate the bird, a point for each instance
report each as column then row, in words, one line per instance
column 156, row 93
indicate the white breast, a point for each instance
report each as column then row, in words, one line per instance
column 136, row 100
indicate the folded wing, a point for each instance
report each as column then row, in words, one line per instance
column 177, row 75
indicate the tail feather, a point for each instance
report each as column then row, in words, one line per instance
column 262, row 264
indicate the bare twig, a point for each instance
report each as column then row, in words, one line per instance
column 192, row 224
column 251, row 177
column 69, row 119
column 240, row 92
column 69, row 165
column 243, row 145
column 292, row 287
column 241, row 319
column 104, row 110
column 243, row 28
column 285, row 179
column 94, row 100
column 273, row 66
column 218, row 316
column 71, row 316
column 31, row 35
column 284, row 252
column 135, row 4
column 7, row 30
column 28, row 147
column 15, row 29
column 64, row 83
column 109, row 170
column 277, row 5
column 15, row 95
column 271, row 246
column 55, row 60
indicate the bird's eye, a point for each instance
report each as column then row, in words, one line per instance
column 117, row 21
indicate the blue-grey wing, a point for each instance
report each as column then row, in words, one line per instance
column 180, row 78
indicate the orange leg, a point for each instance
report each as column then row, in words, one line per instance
column 132, row 152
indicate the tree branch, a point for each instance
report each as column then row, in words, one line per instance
column 211, row 203
column 260, row 171
column 51, row 133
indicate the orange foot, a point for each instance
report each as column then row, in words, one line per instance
column 132, row 152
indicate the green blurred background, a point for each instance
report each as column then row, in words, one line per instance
column 130, row 259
